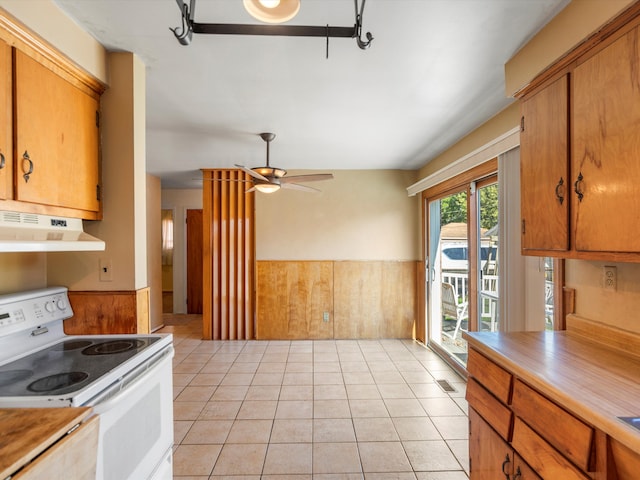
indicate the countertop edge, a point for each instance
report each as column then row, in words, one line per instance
column 591, row 414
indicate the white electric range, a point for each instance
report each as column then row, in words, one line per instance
column 127, row 379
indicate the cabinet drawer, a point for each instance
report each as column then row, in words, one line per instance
column 495, row 413
column 570, row 436
column 494, row 378
column 541, row 456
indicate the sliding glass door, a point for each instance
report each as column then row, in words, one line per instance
column 462, row 255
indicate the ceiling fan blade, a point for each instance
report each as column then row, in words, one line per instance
column 295, row 186
column 307, row 178
column 252, row 189
column 252, row 173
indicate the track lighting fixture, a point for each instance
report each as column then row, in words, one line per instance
column 271, row 12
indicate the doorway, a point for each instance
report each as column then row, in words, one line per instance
column 167, row 260
column 194, row 261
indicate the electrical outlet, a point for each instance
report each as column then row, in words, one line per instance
column 106, row 271
column 325, row 317
column 610, row 278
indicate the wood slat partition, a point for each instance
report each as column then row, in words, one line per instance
column 228, row 254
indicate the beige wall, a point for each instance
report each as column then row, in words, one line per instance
column 574, row 23
column 45, row 18
column 123, row 227
column 22, row 271
column 154, row 251
column 359, row 215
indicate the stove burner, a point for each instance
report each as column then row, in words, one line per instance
column 11, row 376
column 72, row 345
column 113, row 346
column 57, row 381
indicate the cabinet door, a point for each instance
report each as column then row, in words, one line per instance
column 544, row 163
column 606, row 141
column 522, row 471
column 490, row 457
column 6, row 123
column 56, row 126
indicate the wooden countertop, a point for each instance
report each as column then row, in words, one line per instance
column 26, row 432
column 594, row 381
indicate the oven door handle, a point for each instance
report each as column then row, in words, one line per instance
column 124, row 387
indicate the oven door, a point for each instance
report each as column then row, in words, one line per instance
column 136, row 424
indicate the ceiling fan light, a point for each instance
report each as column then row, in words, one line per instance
column 267, row 187
column 270, row 11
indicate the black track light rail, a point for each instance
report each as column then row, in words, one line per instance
column 189, row 27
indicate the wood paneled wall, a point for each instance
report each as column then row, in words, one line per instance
column 228, row 252
column 363, row 299
column 292, row 299
column 101, row 313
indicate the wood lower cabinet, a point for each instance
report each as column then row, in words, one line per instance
column 73, row 456
column 521, row 434
column 51, row 443
column 579, row 143
column 491, row 457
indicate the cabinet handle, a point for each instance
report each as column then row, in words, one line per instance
column 26, row 158
column 505, row 465
column 577, row 187
column 518, row 474
column 1, row 161
column 560, row 190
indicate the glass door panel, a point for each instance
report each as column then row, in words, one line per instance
column 487, row 256
column 448, row 267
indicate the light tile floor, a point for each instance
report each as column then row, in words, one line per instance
column 323, row 409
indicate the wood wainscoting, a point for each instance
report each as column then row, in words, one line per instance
column 336, row 299
column 99, row 313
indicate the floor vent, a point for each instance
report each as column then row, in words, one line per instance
column 446, row 386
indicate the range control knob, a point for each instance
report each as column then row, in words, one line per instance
column 60, row 304
column 49, row 307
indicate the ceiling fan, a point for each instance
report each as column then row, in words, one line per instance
column 270, row 179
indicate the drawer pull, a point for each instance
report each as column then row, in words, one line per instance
column 505, row 466
column 26, row 158
column 1, row 161
column 560, row 191
column 577, row 187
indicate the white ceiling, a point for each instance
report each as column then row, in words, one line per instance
column 434, row 72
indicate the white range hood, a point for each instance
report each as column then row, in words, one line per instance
column 29, row 232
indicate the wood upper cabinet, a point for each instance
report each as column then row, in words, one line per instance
column 6, row 127
column 579, row 151
column 606, row 141
column 56, row 131
column 544, row 168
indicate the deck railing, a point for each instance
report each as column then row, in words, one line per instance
column 488, row 295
